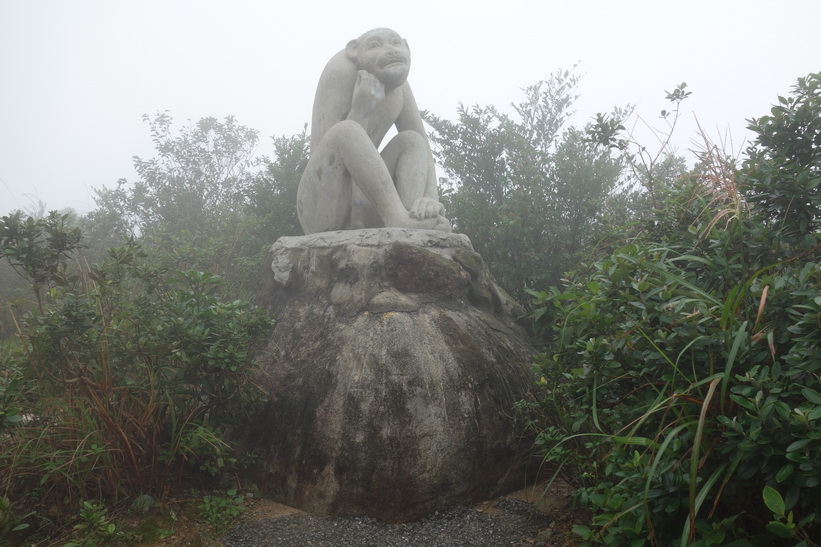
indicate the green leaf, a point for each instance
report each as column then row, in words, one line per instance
column 779, row 529
column 811, row 395
column 784, row 472
column 583, row 531
column 741, row 335
column 637, row 441
column 744, row 402
column 814, row 413
column 798, row 445
column 773, row 500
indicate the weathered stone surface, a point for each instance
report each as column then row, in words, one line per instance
column 393, row 369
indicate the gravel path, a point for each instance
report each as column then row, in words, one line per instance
column 513, row 522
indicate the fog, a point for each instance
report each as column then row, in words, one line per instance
column 78, row 76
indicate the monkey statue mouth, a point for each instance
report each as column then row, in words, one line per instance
column 397, row 61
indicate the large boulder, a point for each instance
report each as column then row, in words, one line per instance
column 393, row 370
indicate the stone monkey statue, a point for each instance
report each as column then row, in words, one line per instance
column 363, row 91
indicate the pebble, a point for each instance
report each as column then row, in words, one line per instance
column 516, row 524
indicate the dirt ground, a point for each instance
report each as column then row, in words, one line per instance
column 554, row 529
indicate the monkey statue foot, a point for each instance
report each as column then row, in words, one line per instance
column 437, row 223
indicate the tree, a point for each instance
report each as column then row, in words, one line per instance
column 655, row 169
column 36, row 246
column 199, row 178
column 787, row 149
column 272, row 195
column 528, row 193
column 39, row 248
column 195, row 187
column 190, row 205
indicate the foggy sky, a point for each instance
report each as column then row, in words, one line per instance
column 76, row 76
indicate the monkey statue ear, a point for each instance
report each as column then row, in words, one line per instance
column 351, row 49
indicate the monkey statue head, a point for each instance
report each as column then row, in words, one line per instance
column 383, row 53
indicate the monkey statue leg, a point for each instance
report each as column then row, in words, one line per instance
column 406, row 157
column 346, row 156
column 409, row 162
column 325, row 192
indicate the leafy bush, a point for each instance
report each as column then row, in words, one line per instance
column 688, row 360
column 94, row 527
column 9, row 522
column 221, row 512
column 128, row 379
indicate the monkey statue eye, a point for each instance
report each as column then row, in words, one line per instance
column 396, row 42
column 373, row 44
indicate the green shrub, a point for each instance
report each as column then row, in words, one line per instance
column 10, row 523
column 688, row 362
column 221, row 512
column 128, row 380
column 94, row 527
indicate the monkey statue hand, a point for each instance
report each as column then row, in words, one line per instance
column 426, row 207
column 368, row 92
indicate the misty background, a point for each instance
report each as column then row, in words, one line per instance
column 77, row 76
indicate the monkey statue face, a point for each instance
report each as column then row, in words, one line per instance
column 383, row 53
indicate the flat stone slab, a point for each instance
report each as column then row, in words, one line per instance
column 375, row 237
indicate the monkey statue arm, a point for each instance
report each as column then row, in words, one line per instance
column 332, row 102
column 368, row 92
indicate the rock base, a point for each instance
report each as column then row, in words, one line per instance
column 393, row 370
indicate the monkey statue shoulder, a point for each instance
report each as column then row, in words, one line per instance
column 348, row 183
